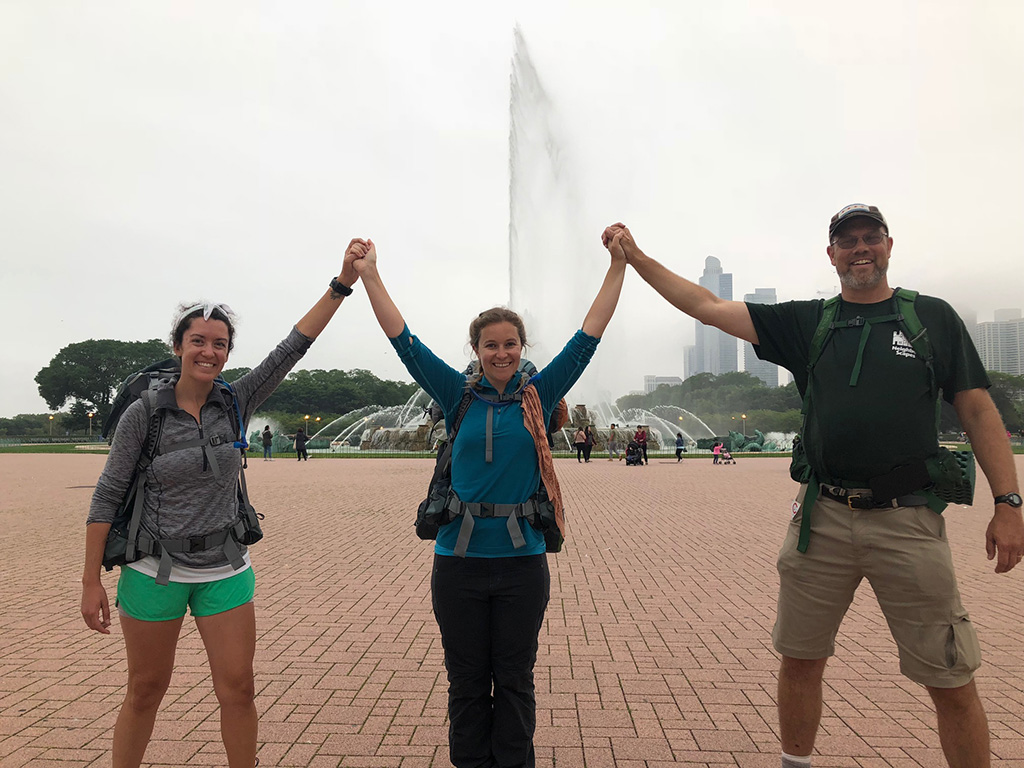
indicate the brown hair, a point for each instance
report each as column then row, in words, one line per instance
column 484, row 319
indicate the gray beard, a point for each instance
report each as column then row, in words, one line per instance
column 870, row 281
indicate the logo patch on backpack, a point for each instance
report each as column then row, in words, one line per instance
column 900, row 346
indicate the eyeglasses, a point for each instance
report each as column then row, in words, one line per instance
column 846, row 243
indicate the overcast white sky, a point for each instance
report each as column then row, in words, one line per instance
column 159, row 152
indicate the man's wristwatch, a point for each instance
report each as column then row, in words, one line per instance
column 339, row 287
column 1012, row 499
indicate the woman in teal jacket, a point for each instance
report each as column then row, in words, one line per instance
column 490, row 591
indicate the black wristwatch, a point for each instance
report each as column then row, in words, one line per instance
column 1011, row 499
column 339, row 287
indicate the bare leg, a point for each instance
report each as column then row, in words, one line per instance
column 800, row 703
column 230, row 640
column 150, row 646
column 963, row 728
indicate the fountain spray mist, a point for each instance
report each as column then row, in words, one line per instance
column 546, row 251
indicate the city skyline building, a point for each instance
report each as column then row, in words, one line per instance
column 714, row 351
column 1000, row 343
column 752, row 364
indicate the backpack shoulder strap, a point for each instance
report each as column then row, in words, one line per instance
column 231, row 402
column 917, row 334
column 154, row 426
column 825, row 327
column 460, row 412
column 917, row 337
column 442, row 467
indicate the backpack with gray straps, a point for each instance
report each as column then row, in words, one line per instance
column 127, row 541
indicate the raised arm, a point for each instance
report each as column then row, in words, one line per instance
column 314, row 321
column 390, row 319
column 607, row 298
column 696, row 301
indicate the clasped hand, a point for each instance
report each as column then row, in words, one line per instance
column 619, row 242
column 361, row 256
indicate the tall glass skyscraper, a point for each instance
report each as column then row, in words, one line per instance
column 715, row 351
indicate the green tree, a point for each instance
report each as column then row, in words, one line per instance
column 90, row 371
column 1008, row 394
column 335, row 391
column 32, row 424
column 77, row 418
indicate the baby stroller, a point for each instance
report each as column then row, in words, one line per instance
column 726, row 457
column 634, row 456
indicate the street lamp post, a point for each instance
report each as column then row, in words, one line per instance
column 744, row 418
column 91, row 414
column 51, row 425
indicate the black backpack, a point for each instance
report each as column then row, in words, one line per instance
column 133, row 387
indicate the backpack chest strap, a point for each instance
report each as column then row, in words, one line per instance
column 492, row 404
column 867, row 324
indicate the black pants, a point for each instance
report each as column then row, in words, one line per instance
column 586, row 452
column 643, row 449
column 579, row 451
column 301, row 454
column 490, row 611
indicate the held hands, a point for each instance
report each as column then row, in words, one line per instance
column 619, row 242
column 1005, row 538
column 349, row 274
column 95, row 608
column 363, row 256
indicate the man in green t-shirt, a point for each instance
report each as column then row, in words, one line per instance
column 871, row 417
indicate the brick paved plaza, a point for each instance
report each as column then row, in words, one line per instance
column 656, row 647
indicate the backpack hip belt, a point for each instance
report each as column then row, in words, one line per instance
column 226, row 538
column 470, row 509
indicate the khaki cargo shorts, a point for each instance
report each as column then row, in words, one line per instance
column 904, row 555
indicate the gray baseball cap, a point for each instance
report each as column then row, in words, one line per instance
column 853, row 211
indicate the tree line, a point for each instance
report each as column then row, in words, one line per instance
column 83, row 378
column 721, row 400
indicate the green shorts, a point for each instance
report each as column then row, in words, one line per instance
column 140, row 597
column 904, row 555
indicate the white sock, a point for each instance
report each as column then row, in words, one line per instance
column 796, row 761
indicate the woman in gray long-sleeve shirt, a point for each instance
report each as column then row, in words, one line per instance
column 189, row 493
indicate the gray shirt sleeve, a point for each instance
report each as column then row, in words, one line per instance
column 129, row 439
column 259, row 384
